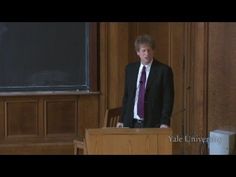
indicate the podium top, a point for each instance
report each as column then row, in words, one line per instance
column 121, row 131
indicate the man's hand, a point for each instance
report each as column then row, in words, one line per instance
column 164, row 126
column 119, row 125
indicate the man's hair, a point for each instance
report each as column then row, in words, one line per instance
column 144, row 39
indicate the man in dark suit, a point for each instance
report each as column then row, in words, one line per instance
column 149, row 90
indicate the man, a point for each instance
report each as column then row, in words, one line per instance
column 149, row 90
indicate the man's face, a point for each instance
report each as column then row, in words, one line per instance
column 145, row 53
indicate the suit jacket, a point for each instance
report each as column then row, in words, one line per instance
column 159, row 95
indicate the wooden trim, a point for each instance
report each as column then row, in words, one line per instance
column 2, row 118
column 46, row 93
column 103, row 70
column 41, row 126
column 187, row 82
column 93, row 57
column 196, row 85
column 170, row 28
column 205, row 81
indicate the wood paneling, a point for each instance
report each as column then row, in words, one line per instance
column 117, row 60
column 133, row 33
column 196, row 117
column 160, row 33
column 222, row 76
column 93, row 57
column 88, row 113
column 64, row 148
column 45, row 124
column 21, row 117
column 114, row 56
column 60, row 116
column 103, row 71
column 2, row 116
column 177, row 63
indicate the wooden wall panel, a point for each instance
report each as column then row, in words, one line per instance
column 21, row 117
column 222, row 76
column 160, row 32
column 133, row 33
column 117, row 60
column 88, row 113
column 2, row 117
column 114, row 56
column 45, row 124
column 60, row 116
column 177, row 63
column 103, row 71
column 196, row 108
column 60, row 148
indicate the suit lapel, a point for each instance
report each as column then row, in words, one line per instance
column 152, row 74
column 134, row 76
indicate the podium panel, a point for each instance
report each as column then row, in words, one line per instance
column 128, row 141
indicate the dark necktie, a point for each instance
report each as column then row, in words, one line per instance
column 141, row 94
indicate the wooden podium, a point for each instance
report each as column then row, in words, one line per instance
column 128, row 141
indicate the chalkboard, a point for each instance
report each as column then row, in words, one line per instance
column 38, row 56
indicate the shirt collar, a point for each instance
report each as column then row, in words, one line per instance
column 148, row 66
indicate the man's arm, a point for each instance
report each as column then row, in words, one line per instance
column 168, row 97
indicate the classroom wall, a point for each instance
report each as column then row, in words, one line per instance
column 198, row 54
